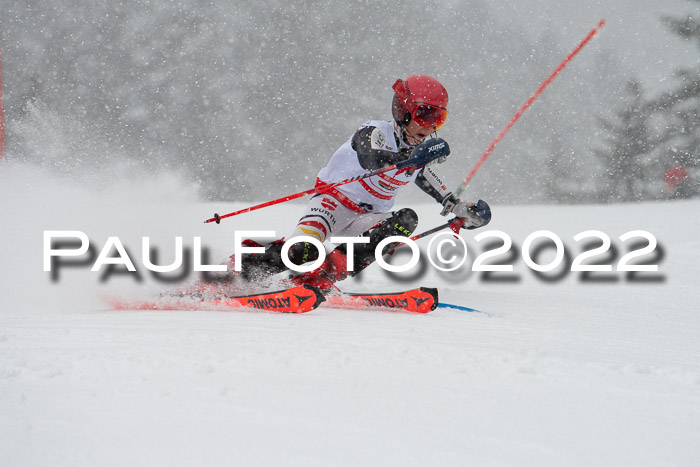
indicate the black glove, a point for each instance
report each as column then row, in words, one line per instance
column 426, row 152
column 404, row 154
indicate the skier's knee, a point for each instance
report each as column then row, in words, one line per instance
column 303, row 252
column 402, row 223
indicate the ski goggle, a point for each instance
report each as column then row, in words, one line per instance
column 429, row 115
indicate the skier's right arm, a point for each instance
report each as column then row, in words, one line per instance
column 369, row 143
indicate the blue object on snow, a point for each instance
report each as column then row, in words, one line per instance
column 463, row 308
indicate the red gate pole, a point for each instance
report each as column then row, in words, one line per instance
column 527, row 104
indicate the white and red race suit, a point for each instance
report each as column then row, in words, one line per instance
column 372, row 146
column 351, row 209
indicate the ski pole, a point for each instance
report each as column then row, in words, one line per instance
column 454, row 224
column 481, row 209
column 423, row 153
column 527, row 104
column 319, row 188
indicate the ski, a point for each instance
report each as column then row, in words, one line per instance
column 293, row 300
column 422, row 300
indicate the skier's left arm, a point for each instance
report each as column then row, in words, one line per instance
column 428, row 181
column 477, row 214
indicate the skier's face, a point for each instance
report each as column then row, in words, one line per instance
column 415, row 134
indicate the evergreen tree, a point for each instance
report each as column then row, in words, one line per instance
column 681, row 106
column 628, row 141
column 680, row 109
column 648, row 136
column 688, row 27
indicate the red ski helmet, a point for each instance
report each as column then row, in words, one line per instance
column 420, row 98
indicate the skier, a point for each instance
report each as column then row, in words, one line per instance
column 364, row 207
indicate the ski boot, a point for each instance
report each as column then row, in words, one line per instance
column 334, row 268
column 261, row 266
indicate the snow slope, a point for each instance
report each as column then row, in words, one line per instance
column 548, row 373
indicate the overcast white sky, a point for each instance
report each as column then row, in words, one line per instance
column 633, row 27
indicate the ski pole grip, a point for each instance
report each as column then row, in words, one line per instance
column 426, row 152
